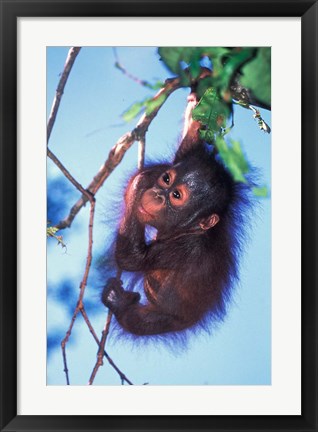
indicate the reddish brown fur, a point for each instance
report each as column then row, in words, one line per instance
column 189, row 268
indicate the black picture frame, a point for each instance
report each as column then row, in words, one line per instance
column 10, row 11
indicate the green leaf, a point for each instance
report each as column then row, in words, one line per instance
column 236, row 58
column 239, row 156
column 157, row 85
column 216, row 55
column 195, row 67
column 207, row 136
column 261, row 192
column 233, row 157
column 212, row 111
column 150, row 104
column 174, row 56
column 153, row 104
column 204, row 85
column 135, row 109
column 50, row 231
column 184, row 62
column 256, row 75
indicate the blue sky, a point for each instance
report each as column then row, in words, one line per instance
column 238, row 352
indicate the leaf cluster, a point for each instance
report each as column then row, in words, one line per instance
column 148, row 105
column 220, row 77
column 51, row 232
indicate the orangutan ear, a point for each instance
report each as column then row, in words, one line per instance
column 209, row 222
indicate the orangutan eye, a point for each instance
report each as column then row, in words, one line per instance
column 166, row 178
column 176, row 194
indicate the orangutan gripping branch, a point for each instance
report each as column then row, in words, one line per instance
column 189, row 268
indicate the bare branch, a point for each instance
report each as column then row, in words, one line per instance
column 88, row 196
column 137, row 80
column 120, row 373
column 110, row 361
column 118, row 151
column 72, row 54
column 68, row 175
column 83, row 284
column 101, row 350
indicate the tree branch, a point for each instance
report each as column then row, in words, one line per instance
column 72, row 54
column 67, row 174
column 83, row 284
column 109, row 359
column 118, row 151
column 101, row 350
column 137, row 80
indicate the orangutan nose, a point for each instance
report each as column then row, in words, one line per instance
column 158, row 196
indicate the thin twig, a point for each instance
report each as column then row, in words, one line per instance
column 118, row 151
column 67, row 174
column 120, row 373
column 72, row 54
column 99, row 361
column 101, row 350
column 137, row 80
column 109, row 359
column 83, row 284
